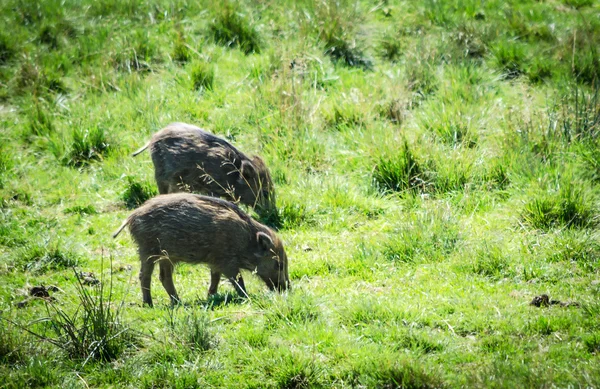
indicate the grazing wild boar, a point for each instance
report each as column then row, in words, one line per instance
column 187, row 158
column 185, row 227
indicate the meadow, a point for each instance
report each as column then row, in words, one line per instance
column 437, row 167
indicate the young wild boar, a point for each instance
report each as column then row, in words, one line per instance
column 187, row 158
column 184, row 227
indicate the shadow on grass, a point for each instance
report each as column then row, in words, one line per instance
column 220, row 300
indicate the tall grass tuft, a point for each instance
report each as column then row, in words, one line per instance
column 81, row 210
column 577, row 247
column 413, row 340
column 7, row 48
column 293, row 311
column 425, row 239
column 345, row 51
column 509, row 57
column 421, row 77
column 582, row 47
column 88, row 145
column 490, row 262
column 93, row 331
column 469, row 42
column 11, row 344
column 6, row 163
column 109, row 8
column 386, row 374
column 568, row 208
column 181, row 52
column 39, row 121
column 38, row 258
column 286, row 216
column 592, row 342
column 451, row 126
column 581, row 114
column 137, row 193
column 298, row 373
column 590, row 158
column 193, row 329
column 231, row 28
column 197, row 333
column 401, row 173
column 35, row 80
column 344, row 115
column 28, row 77
column 539, row 70
column 496, row 177
column 335, row 25
column 202, row 75
column 135, row 54
column 393, row 110
column 49, row 36
column 577, row 4
column 390, row 47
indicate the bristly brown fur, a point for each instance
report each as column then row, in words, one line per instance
column 184, row 227
column 187, row 158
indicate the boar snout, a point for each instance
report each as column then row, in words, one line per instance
column 283, row 286
column 278, row 286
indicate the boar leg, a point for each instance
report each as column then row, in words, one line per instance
column 215, row 277
column 146, row 269
column 163, row 189
column 166, row 278
column 238, row 284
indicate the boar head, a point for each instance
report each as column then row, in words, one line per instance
column 272, row 264
column 257, row 184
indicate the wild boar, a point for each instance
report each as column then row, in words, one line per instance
column 185, row 227
column 187, row 158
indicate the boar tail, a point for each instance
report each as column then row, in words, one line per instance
column 138, row 151
column 117, row 232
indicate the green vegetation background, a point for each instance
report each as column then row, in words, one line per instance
column 436, row 163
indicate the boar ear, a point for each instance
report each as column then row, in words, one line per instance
column 264, row 241
column 247, row 171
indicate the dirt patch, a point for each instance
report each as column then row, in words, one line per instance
column 544, row 300
column 87, row 278
column 38, row 292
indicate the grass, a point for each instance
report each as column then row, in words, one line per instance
column 6, row 163
column 388, row 374
column 566, row 208
column 7, row 50
column 401, row 173
column 231, row 28
column 203, row 76
column 40, row 122
column 194, row 331
column 335, row 29
column 509, row 58
column 137, row 193
column 93, row 331
column 87, row 146
column 451, row 126
column 181, row 52
column 581, row 114
column 489, row 262
column 390, row 47
column 40, row 259
column 427, row 239
column 436, row 167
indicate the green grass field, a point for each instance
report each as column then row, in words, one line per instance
column 437, row 166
